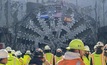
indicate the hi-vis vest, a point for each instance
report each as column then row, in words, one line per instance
column 98, row 59
column 26, row 59
column 49, row 57
column 71, row 62
column 21, row 61
column 12, row 60
column 58, row 59
column 86, row 60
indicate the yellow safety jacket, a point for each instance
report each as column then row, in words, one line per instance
column 49, row 57
column 21, row 61
column 86, row 60
column 98, row 59
column 26, row 59
column 2, row 64
column 58, row 59
column 12, row 60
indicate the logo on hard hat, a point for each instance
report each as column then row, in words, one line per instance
column 79, row 45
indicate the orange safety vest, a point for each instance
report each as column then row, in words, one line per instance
column 58, row 59
column 71, row 62
column 102, row 59
column 50, row 60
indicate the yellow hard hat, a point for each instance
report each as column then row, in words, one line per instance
column 86, row 48
column 76, row 44
column 68, row 48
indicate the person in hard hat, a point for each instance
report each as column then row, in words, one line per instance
column 19, row 56
column 12, row 60
column 95, row 47
column 38, row 58
column 58, row 55
column 98, row 58
column 48, row 55
column 3, row 56
column 74, row 55
column 27, row 57
column 13, row 52
column 16, row 60
column 9, row 49
column 86, row 57
column 105, row 52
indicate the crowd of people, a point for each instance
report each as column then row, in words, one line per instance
column 77, row 54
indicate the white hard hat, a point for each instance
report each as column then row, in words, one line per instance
column 28, row 52
column 13, row 51
column 18, row 53
column 3, row 53
column 8, row 49
column 105, row 47
column 47, row 47
column 87, row 48
column 100, row 44
column 39, row 49
column 59, row 50
column 95, row 46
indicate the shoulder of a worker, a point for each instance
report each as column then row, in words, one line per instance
column 79, row 62
column 72, row 62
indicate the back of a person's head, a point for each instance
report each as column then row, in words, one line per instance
column 38, row 53
column 76, row 44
